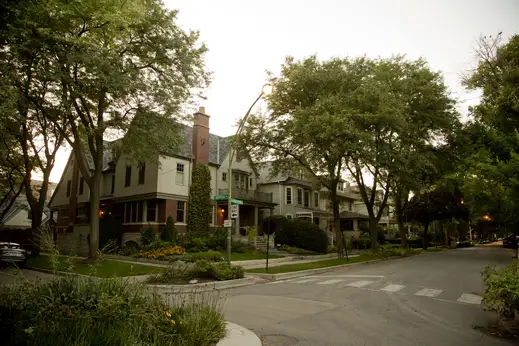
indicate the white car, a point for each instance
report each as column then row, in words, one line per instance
column 12, row 254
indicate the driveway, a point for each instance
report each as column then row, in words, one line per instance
column 11, row 275
column 429, row 299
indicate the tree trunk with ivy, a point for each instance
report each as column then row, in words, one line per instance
column 199, row 211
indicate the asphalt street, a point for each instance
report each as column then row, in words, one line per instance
column 11, row 275
column 428, row 299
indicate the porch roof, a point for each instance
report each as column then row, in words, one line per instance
column 349, row 215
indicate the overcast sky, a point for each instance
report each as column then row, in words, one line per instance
column 245, row 38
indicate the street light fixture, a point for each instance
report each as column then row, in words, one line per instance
column 265, row 91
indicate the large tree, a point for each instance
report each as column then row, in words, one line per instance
column 311, row 121
column 113, row 64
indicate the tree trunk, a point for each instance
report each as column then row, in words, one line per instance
column 94, row 216
column 399, row 211
column 337, row 224
column 373, row 228
column 425, row 241
column 445, row 235
column 403, row 233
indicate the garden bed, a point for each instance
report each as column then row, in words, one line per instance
column 103, row 268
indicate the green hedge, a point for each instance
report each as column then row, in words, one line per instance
column 199, row 211
column 299, row 233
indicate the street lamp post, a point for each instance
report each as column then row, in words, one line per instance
column 265, row 91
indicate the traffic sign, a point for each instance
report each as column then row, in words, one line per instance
column 234, row 211
column 237, row 201
column 221, row 197
column 227, row 223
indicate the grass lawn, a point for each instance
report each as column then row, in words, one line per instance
column 105, row 269
column 312, row 265
column 251, row 256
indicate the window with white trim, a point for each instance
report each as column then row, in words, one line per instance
column 133, row 211
column 340, row 186
column 316, row 199
column 288, row 195
column 179, row 178
column 299, row 196
column 307, row 198
column 181, row 211
column 224, row 176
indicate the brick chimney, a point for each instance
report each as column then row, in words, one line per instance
column 201, row 137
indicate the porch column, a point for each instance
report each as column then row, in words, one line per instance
column 256, row 218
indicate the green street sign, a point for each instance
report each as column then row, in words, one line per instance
column 221, row 197
column 237, row 201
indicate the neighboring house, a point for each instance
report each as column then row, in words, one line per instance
column 145, row 194
column 19, row 216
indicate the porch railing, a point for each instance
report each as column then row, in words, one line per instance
column 248, row 194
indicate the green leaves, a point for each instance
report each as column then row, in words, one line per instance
column 199, row 211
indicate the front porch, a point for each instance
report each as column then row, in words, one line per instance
column 250, row 216
column 351, row 223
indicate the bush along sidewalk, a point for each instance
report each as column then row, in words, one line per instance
column 502, row 297
column 181, row 272
column 85, row 311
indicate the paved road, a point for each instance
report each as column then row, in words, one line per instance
column 11, row 275
column 429, row 299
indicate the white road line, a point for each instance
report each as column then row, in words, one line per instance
column 392, row 288
column 304, row 281
column 428, row 292
column 470, row 299
column 330, row 282
column 359, row 283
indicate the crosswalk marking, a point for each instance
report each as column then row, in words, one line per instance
column 470, row 299
column 304, row 281
column 361, row 283
column 428, row 292
column 392, row 288
column 330, row 282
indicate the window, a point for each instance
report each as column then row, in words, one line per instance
column 288, row 195
column 113, row 184
column 29, row 214
column 224, row 176
column 316, row 199
column 350, row 206
column 81, row 183
column 142, row 170
column 299, row 196
column 340, row 186
column 133, row 211
column 69, row 185
column 241, row 181
column 250, row 183
column 181, row 211
column 179, row 179
column 128, row 176
column 151, row 210
column 307, row 198
column 289, row 216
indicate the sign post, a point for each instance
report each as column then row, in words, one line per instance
column 234, row 211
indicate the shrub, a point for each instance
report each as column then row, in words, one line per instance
column 211, row 256
column 309, row 236
column 199, row 211
column 223, row 271
column 240, row 247
column 148, row 236
column 297, row 251
column 282, row 224
column 218, row 241
column 502, row 290
column 197, row 244
column 157, row 245
column 169, row 234
column 83, row 311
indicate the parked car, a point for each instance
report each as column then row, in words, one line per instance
column 464, row 243
column 12, row 254
column 511, row 242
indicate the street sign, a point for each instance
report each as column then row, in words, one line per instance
column 221, row 197
column 237, row 201
column 227, row 223
column 234, row 211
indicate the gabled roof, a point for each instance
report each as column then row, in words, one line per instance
column 218, row 146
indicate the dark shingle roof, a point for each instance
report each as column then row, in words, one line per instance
column 216, row 144
column 352, row 216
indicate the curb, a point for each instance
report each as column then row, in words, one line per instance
column 300, row 273
column 202, row 287
column 239, row 336
column 50, row 271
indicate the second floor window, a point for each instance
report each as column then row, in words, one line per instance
column 113, row 184
column 179, row 178
column 316, row 199
column 69, row 187
column 128, row 176
column 300, row 196
column 307, row 198
column 181, row 211
column 350, row 206
column 224, row 176
column 81, row 185
column 340, row 186
column 250, row 183
column 289, row 195
column 142, row 170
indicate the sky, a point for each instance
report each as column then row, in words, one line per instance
column 247, row 38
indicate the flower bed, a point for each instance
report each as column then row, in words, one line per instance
column 181, row 272
column 85, row 311
column 162, row 253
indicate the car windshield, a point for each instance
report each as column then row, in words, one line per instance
column 9, row 246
